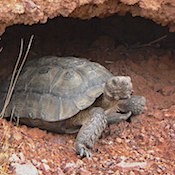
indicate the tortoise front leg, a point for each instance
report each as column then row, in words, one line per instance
column 135, row 104
column 90, row 131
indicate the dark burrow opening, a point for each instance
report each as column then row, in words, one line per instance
column 75, row 37
column 126, row 45
column 68, row 36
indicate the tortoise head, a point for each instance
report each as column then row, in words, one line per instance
column 118, row 88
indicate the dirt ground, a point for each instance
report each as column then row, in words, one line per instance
column 126, row 46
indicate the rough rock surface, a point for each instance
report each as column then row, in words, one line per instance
column 37, row 11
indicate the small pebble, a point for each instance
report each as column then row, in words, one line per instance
column 46, row 167
column 118, row 140
column 25, row 169
column 14, row 158
column 22, row 157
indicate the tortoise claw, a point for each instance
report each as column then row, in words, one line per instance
column 83, row 151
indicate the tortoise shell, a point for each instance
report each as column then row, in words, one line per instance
column 56, row 88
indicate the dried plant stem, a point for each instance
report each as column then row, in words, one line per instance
column 16, row 74
column 1, row 47
column 150, row 43
column 11, row 117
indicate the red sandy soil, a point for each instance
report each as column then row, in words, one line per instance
column 145, row 145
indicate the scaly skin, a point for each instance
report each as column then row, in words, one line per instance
column 117, row 98
column 135, row 104
column 91, row 131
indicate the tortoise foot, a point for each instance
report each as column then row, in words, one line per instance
column 136, row 104
column 83, row 151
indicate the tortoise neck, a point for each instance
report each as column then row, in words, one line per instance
column 106, row 101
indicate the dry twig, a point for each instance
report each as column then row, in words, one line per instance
column 150, row 43
column 16, row 72
column 1, row 47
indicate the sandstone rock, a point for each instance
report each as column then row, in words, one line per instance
column 36, row 11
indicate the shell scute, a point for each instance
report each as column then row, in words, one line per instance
column 56, row 88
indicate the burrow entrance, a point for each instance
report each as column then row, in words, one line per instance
column 129, row 46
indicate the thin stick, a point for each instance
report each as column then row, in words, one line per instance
column 1, row 47
column 11, row 117
column 20, row 68
column 156, row 40
column 14, row 72
column 150, row 43
column 17, row 122
column 15, row 78
column 12, row 79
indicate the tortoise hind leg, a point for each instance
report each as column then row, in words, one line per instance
column 90, row 131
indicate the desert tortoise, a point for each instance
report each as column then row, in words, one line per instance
column 57, row 93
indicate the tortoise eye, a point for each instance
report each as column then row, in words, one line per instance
column 132, row 92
